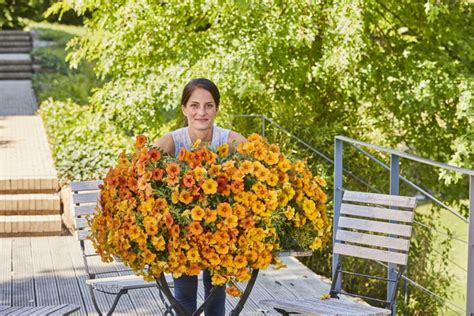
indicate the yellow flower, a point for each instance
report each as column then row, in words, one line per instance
column 193, row 255
column 223, row 150
column 224, row 209
column 209, row 186
column 199, row 173
column 218, row 279
column 231, row 221
column 271, row 158
column 185, row 197
column 240, row 261
column 197, row 213
column 158, row 242
column 317, row 243
column 290, row 212
column 175, row 197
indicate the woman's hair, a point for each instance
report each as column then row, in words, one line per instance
column 203, row 83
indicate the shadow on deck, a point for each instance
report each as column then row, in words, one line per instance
column 50, row 270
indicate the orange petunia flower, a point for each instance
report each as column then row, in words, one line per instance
column 161, row 203
column 224, row 209
column 195, row 228
column 210, row 216
column 193, row 269
column 140, row 141
column 173, row 169
column 188, row 180
column 157, row 174
column 182, row 154
column 154, row 154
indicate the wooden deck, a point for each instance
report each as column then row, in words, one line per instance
column 50, row 270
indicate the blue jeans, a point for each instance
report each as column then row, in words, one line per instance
column 185, row 292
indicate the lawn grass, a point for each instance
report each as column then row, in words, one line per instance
column 457, row 255
column 56, row 79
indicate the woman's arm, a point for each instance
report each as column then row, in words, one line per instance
column 166, row 144
column 234, row 139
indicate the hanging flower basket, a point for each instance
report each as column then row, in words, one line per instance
column 208, row 209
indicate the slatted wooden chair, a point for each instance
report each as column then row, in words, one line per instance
column 84, row 197
column 369, row 231
column 50, row 310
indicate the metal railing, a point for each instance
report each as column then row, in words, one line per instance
column 395, row 179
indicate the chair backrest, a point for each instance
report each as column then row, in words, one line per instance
column 85, row 195
column 368, row 229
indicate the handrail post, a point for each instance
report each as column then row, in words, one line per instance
column 470, row 252
column 338, row 153
column 263, row 125
column 394, row 190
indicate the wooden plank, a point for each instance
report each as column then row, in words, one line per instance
column 64, row 309
column 91, row 197
column 82, row 234
column 96, row 265
column 370, row 253
column 46, row 289
column 373, row 240
column 11, row 310
column 374, row 226
column 3, row 307
column 81, row 222
column 333, row 307
column 382, row 199
column 84, row 210
column 5, row 271
column 81, row 277
column 26, row 310
column 69, row 292
column 377, row 212
column 23, row 284
column 85, row 185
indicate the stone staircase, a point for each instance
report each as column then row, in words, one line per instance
column 15, row 61
column 29, row 198
column 29, row 207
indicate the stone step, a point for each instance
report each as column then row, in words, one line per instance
column 16, row 68
column 15, row 59
column 30, row 204
column 12, row 50
column 15, row 76
column 23, row 37
column 30, row 225
column 15, row 44
column 29, row 185
column 13, row 32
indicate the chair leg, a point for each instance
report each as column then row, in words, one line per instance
column 117, row 298
column 94, row 301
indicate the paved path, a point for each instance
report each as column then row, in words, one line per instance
column 17, row 98
column 24, row 148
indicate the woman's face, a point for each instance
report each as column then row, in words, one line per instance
column 200, row 109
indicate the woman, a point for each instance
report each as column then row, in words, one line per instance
column 200, row 104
